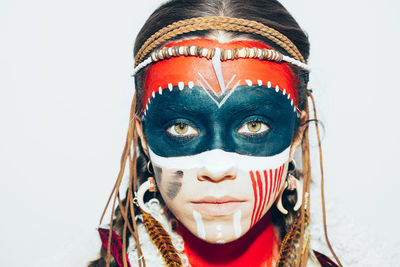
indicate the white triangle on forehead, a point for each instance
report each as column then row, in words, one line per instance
column 216, row 62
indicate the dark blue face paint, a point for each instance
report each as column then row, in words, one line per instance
column 225, row 127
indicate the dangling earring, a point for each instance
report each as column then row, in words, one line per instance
column 292, row 183
column 150, row 185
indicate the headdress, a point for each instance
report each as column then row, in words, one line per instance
column 151, row 52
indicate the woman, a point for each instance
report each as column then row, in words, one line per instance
column 219, row 112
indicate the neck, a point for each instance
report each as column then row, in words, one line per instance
column 258, row 247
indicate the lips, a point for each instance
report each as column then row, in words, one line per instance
column 213, row 206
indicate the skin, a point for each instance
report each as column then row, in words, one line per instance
column 253, row 123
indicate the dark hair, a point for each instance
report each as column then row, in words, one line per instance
column 268, row 12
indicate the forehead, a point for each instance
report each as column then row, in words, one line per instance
column 218, row 79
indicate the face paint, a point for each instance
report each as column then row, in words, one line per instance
column 221, row 134
column 200, row 226
column 212, row 75
column 213, row 202
column 175, row 185
column 219, row 235
column 237, row 223
column 266, row 187
column 210, row 127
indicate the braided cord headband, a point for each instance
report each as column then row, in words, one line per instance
column 216, row 23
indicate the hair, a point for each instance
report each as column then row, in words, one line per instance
column 268, row 12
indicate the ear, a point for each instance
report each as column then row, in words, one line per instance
column 298, row 136
column 139, row 130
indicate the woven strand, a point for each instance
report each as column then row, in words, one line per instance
column 322, row 182
column 227, row 20
column 216, row 23
column 217, row 26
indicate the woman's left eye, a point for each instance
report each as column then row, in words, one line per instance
column 182, row 129
column 253, row 128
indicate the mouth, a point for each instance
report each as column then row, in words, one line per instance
column 213, row 206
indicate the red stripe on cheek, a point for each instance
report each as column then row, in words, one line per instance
column 254, row 184
column 270, row 179
column 275, row 182
column 278, row 180
column 260, row 193
column 264, row 197
column 280, row 174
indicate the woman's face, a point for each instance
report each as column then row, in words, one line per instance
column 219, row 147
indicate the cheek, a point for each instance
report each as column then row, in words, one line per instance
column 266, row 187
column 169, row 181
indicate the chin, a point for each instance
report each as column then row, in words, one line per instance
column 218, row 230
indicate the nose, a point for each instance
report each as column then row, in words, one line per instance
column 217, row 167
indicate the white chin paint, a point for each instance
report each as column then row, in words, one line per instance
column 237, row 226
column 218, row 160
column 200, row 225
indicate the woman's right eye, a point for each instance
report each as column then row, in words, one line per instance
column 182, row 129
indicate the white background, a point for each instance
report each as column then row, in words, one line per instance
column 65, row 93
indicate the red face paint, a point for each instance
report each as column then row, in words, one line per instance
column 188, row 71
column 266, row 186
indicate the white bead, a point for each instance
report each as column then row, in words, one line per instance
column 251, row 53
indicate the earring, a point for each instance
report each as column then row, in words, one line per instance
column 292, row 183
column 150, row 185
column 149, row 167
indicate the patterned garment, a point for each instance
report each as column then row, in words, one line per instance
column 116, row 250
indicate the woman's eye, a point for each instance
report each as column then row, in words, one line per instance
column 182, row 130
column 253, row 128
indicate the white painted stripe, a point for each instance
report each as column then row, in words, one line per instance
column 170, row 86
column 218, row 160
column 259, row 82
column 191, row 84
column 200, row 225
column 249, row 83
column 160, row 90
column 181, row 85
column 237, row 223
column 269, row 84
column 216, row 62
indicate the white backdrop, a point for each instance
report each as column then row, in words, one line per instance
column 65, row 93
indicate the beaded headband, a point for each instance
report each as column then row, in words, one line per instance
column 215, row 23
column 223, row 55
